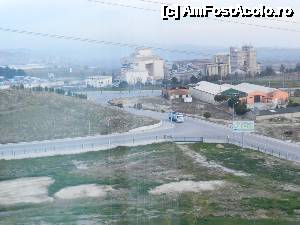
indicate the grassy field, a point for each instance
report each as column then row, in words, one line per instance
column 267, row 192
column 27, row 116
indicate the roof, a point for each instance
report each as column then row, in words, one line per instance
column 243, row 88
column 247, row 88
column 211, row 88
column 233, row 92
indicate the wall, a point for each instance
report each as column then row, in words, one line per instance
column 202, row 96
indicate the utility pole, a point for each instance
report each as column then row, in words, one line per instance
column 89, row 127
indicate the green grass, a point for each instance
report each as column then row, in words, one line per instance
column 133, row 171
column 27, row 116
column 295, row 99
column 288, row 203
column 234, row 221
column 252, row 162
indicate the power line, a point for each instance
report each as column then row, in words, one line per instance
column 208, row 18
column 95, row 41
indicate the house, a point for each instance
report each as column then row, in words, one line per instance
column 99, row 81
column 177, row 93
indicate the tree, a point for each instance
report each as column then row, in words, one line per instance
column 232, row 102
column 282, row 68
column 174, row 67
column 174, row 80
column 139, row 84
column 194, row 79
column 9, row 73
column 297, row 68
column 241, row 109
column 268, row 71
column 123, row 84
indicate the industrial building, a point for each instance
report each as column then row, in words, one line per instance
column 99, row 81
column 255, row 96
column 206, row 91
column 261, row 97
column 142, row 66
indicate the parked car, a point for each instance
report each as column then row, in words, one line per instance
column 176, row 117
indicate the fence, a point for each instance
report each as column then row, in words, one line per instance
column 73, row 146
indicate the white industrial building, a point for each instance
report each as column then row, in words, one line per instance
column 255, row 96
column 142, row 66
column 206, row 91
column 99, row 81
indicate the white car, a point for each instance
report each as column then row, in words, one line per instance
column 176, row 117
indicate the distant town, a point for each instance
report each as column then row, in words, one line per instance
column 236, row 73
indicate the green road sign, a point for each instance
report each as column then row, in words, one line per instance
column 243, row 126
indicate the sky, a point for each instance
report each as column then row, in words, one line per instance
column 87, row 19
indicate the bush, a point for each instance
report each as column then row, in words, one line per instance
column 120, row 105
column 207, row 115
column 138, row 106
column 241, row 109
column 288, row 133
column 291, row 103
column 123, row 84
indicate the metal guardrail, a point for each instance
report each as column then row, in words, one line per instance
column 188, row 139
column 93, row 145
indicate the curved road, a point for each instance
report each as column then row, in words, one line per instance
column 211, row 132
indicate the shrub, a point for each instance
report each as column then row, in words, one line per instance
column 138, row 106
column 120, row 105
column 291, row 103
column 241, row 109
column 207, row 115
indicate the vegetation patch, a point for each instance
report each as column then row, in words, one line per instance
column 115, row 187
column 32, row 116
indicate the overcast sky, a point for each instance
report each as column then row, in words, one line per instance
column 112, row 23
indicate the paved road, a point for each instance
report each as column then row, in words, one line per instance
column 211, row 132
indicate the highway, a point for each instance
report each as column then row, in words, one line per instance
column 211, row 132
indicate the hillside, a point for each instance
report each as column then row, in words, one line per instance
column 27, row 116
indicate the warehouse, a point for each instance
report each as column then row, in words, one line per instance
column 255, row 96
column 206, row 91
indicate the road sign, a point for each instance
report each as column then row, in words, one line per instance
column 243, row 126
